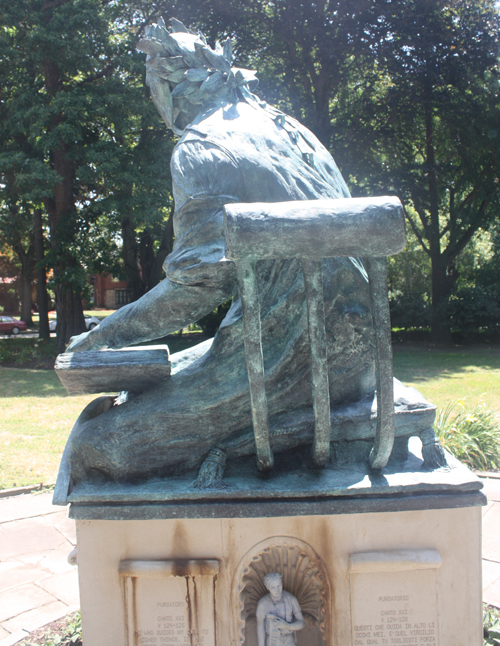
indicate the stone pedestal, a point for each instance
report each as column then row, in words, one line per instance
column 383, row 569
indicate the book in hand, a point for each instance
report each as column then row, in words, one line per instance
column 106, row 371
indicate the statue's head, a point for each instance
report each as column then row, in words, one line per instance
column 184, row 72
column 274, row 584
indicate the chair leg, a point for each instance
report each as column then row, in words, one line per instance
column 384, row 438
column 255, row 362
column 319, row 360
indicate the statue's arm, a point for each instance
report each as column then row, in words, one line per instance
column 166, row 308
column 283, row 626
column 199, row 278
column 299, row 622
column 295, row 625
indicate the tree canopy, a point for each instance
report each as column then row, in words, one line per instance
column 80, row 137
column 405, row 94
column 427, row 129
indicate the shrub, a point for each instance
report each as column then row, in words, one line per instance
column 68, row 633
column 409, row 311
column 6, row 351
column 468, row 309
column 471, row 435
column 21, row 351
column 491, row 625
column 474, row 308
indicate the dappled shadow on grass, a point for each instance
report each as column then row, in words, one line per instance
column 18, row 382
column 424, row 364
column 416, row 364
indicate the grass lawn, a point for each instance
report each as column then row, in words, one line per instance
column 471, row 374
column 37, row 415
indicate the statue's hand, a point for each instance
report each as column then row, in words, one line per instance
column 281, row 625
column 85, row 342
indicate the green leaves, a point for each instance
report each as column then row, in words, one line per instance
column 471, row 435
column 491, row 624
column 79, row 136
column 70, row 634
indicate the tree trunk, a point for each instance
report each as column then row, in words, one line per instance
column 441, row 286
column 27, row 260
column 146, row 256
column 26, row 302
column 441, row 289
column 69, row 310
column 41, row 287
column 130, row 250
column 166, row 244
column 322, row 120
column 61, row 210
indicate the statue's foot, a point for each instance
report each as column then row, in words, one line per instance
column 212, row 470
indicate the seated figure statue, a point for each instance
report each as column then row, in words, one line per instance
column 233, row 148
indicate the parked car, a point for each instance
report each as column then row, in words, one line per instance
column 8, row 325
column 90, row 321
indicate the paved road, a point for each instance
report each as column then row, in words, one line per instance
column 38, row 585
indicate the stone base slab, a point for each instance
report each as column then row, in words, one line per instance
column 405, row 577
column 351, row 488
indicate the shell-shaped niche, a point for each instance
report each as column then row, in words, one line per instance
column 303, row 575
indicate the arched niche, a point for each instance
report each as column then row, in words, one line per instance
column 303, row 574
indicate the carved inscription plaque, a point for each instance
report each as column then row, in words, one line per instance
column 394, row 598
column 169, row 603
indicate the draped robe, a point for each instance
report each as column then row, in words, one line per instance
column 231, row 153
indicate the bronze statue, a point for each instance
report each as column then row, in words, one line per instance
column 233, row 148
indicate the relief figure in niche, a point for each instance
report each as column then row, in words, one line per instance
column 279, row 616
column 303, row 577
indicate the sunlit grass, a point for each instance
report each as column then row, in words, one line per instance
column 99, row 313
column 36, row 418
column 444, row 377
column 465, row 386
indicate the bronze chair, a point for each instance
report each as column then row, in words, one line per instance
column 371, row 228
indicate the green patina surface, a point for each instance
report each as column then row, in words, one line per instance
column 235, row 149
